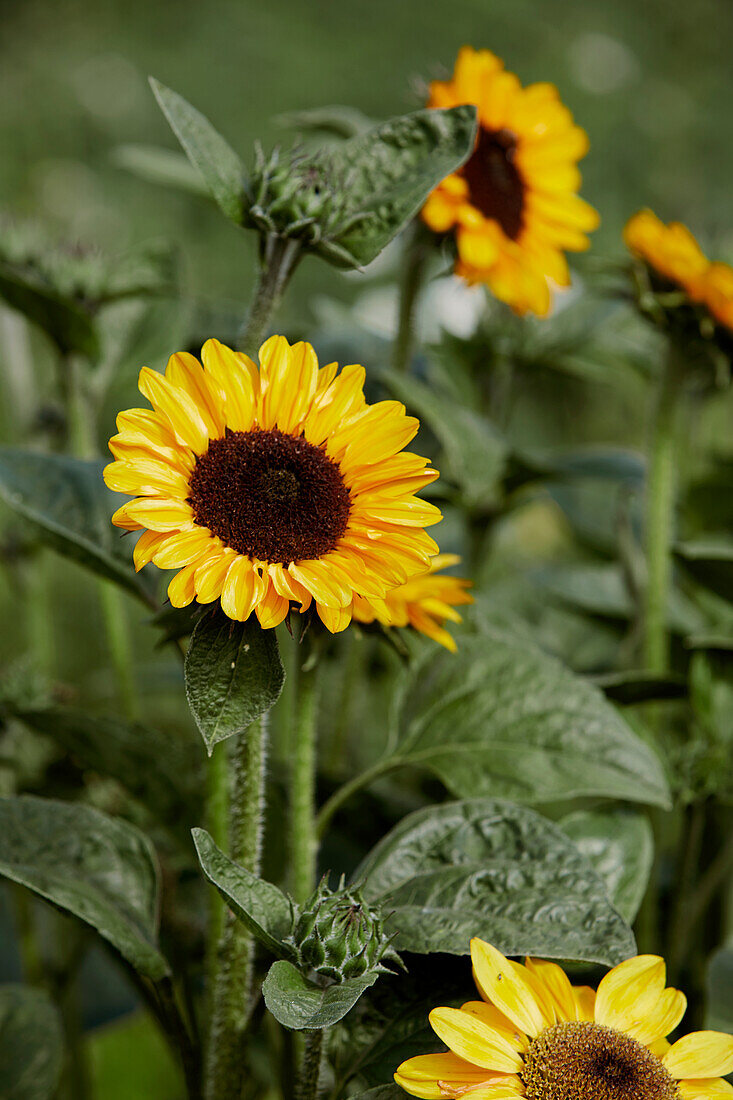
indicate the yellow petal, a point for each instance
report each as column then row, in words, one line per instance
column 211, row 574
column 334, row 619
column 664, row 1017
column 378, row 433
column 420, row 1075
column 700, row 1054
column 145, row 477
column 507, row 987
column 146, row 546
column 495, row 1019
column 241, row 590
column 272, row 609
column 160, row 513
column 274, row 356
column 186, row 372
column 182, row 548
column 471, row 1039
column 235, row 379
column 181, row 591
column 323, row 583
column 699, row 1089
column 176, row 408
column 558, row 986
column 630, row 991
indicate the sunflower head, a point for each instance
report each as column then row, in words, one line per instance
column 425, row 603
column 532, row 1034
column 273, row 485
column 339, row 935
column 676, row 285
column 513, row 207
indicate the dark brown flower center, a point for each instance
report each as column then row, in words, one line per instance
column 583, row 1061
column 270, row 496
column 495, row 184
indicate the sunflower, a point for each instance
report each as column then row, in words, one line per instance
column 670, row 252
column 424, row 603
column 513, row 206
column 271, row 486
column 535, row 1035
column 716, row 290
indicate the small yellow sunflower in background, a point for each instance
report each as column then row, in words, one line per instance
column 535, row 1035
column 424, row 603
column 670, row 251
column 716, row 290
column 513, row 206
column 273, row 485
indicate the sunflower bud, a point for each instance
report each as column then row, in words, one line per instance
column 340, row 936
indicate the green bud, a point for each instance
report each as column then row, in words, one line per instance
column 339, row 935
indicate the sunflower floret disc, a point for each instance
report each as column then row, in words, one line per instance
column 534, row 1035
column 513, row 208
column 273, row 485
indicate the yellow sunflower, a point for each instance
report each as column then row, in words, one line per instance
column 716, row 291
column 535, row 1035
column 424, row 603
column 513, row 206
column 273, row 485
column 670, row 251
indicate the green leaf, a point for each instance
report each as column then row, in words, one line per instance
column 163, row 166
column 31, row 1044
column 259, row 904
column 233, row 675
column 709, row 559
column 335, row 121
column 220, row 167
column 69, row 326
column 476, row 456
column 301, row 1005
column 163, row 771
column 488, row 868
column 68, row 502
column 619, row 845
column 385, row 175
column 98, row 868
column 720, row 990
column 502, row 717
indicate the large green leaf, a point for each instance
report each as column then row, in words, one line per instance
column 69, row 326
column 233, row 675
column 163, row 771
column 502, row 717
column 259, row 904
column 720, row 990
column 383, row 176
column 220, row 167
column 491, row 869
column 476, row 456
column 98, row 868
column 31, row 1044
column 68, row 502
column 301, row 1005
column 619, row 844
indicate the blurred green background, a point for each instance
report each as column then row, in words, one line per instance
column 649, row 79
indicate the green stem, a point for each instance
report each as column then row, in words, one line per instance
column 343, row 794
column 279, row 257
column 660, row 516
column 241, row 787
column 691, row 847
column 310, row 1072
column 411, row 280
column 25, row 927
column 82, row 443
column 180, row 1038
column 711, row 882
column 303, row 840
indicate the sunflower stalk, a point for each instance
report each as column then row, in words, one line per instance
column 307, row 1088
column 303, row 838
column 415, row 257
column 244, row 796
column 660, row 514
column 279, row 256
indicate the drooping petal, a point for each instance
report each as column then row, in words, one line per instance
column 700, row 1054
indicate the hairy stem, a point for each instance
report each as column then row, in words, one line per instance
column 660, row 499
column 241, row 787
column 307, row 1087
column 279, row 257
column 303, row 840
column 411, row 280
